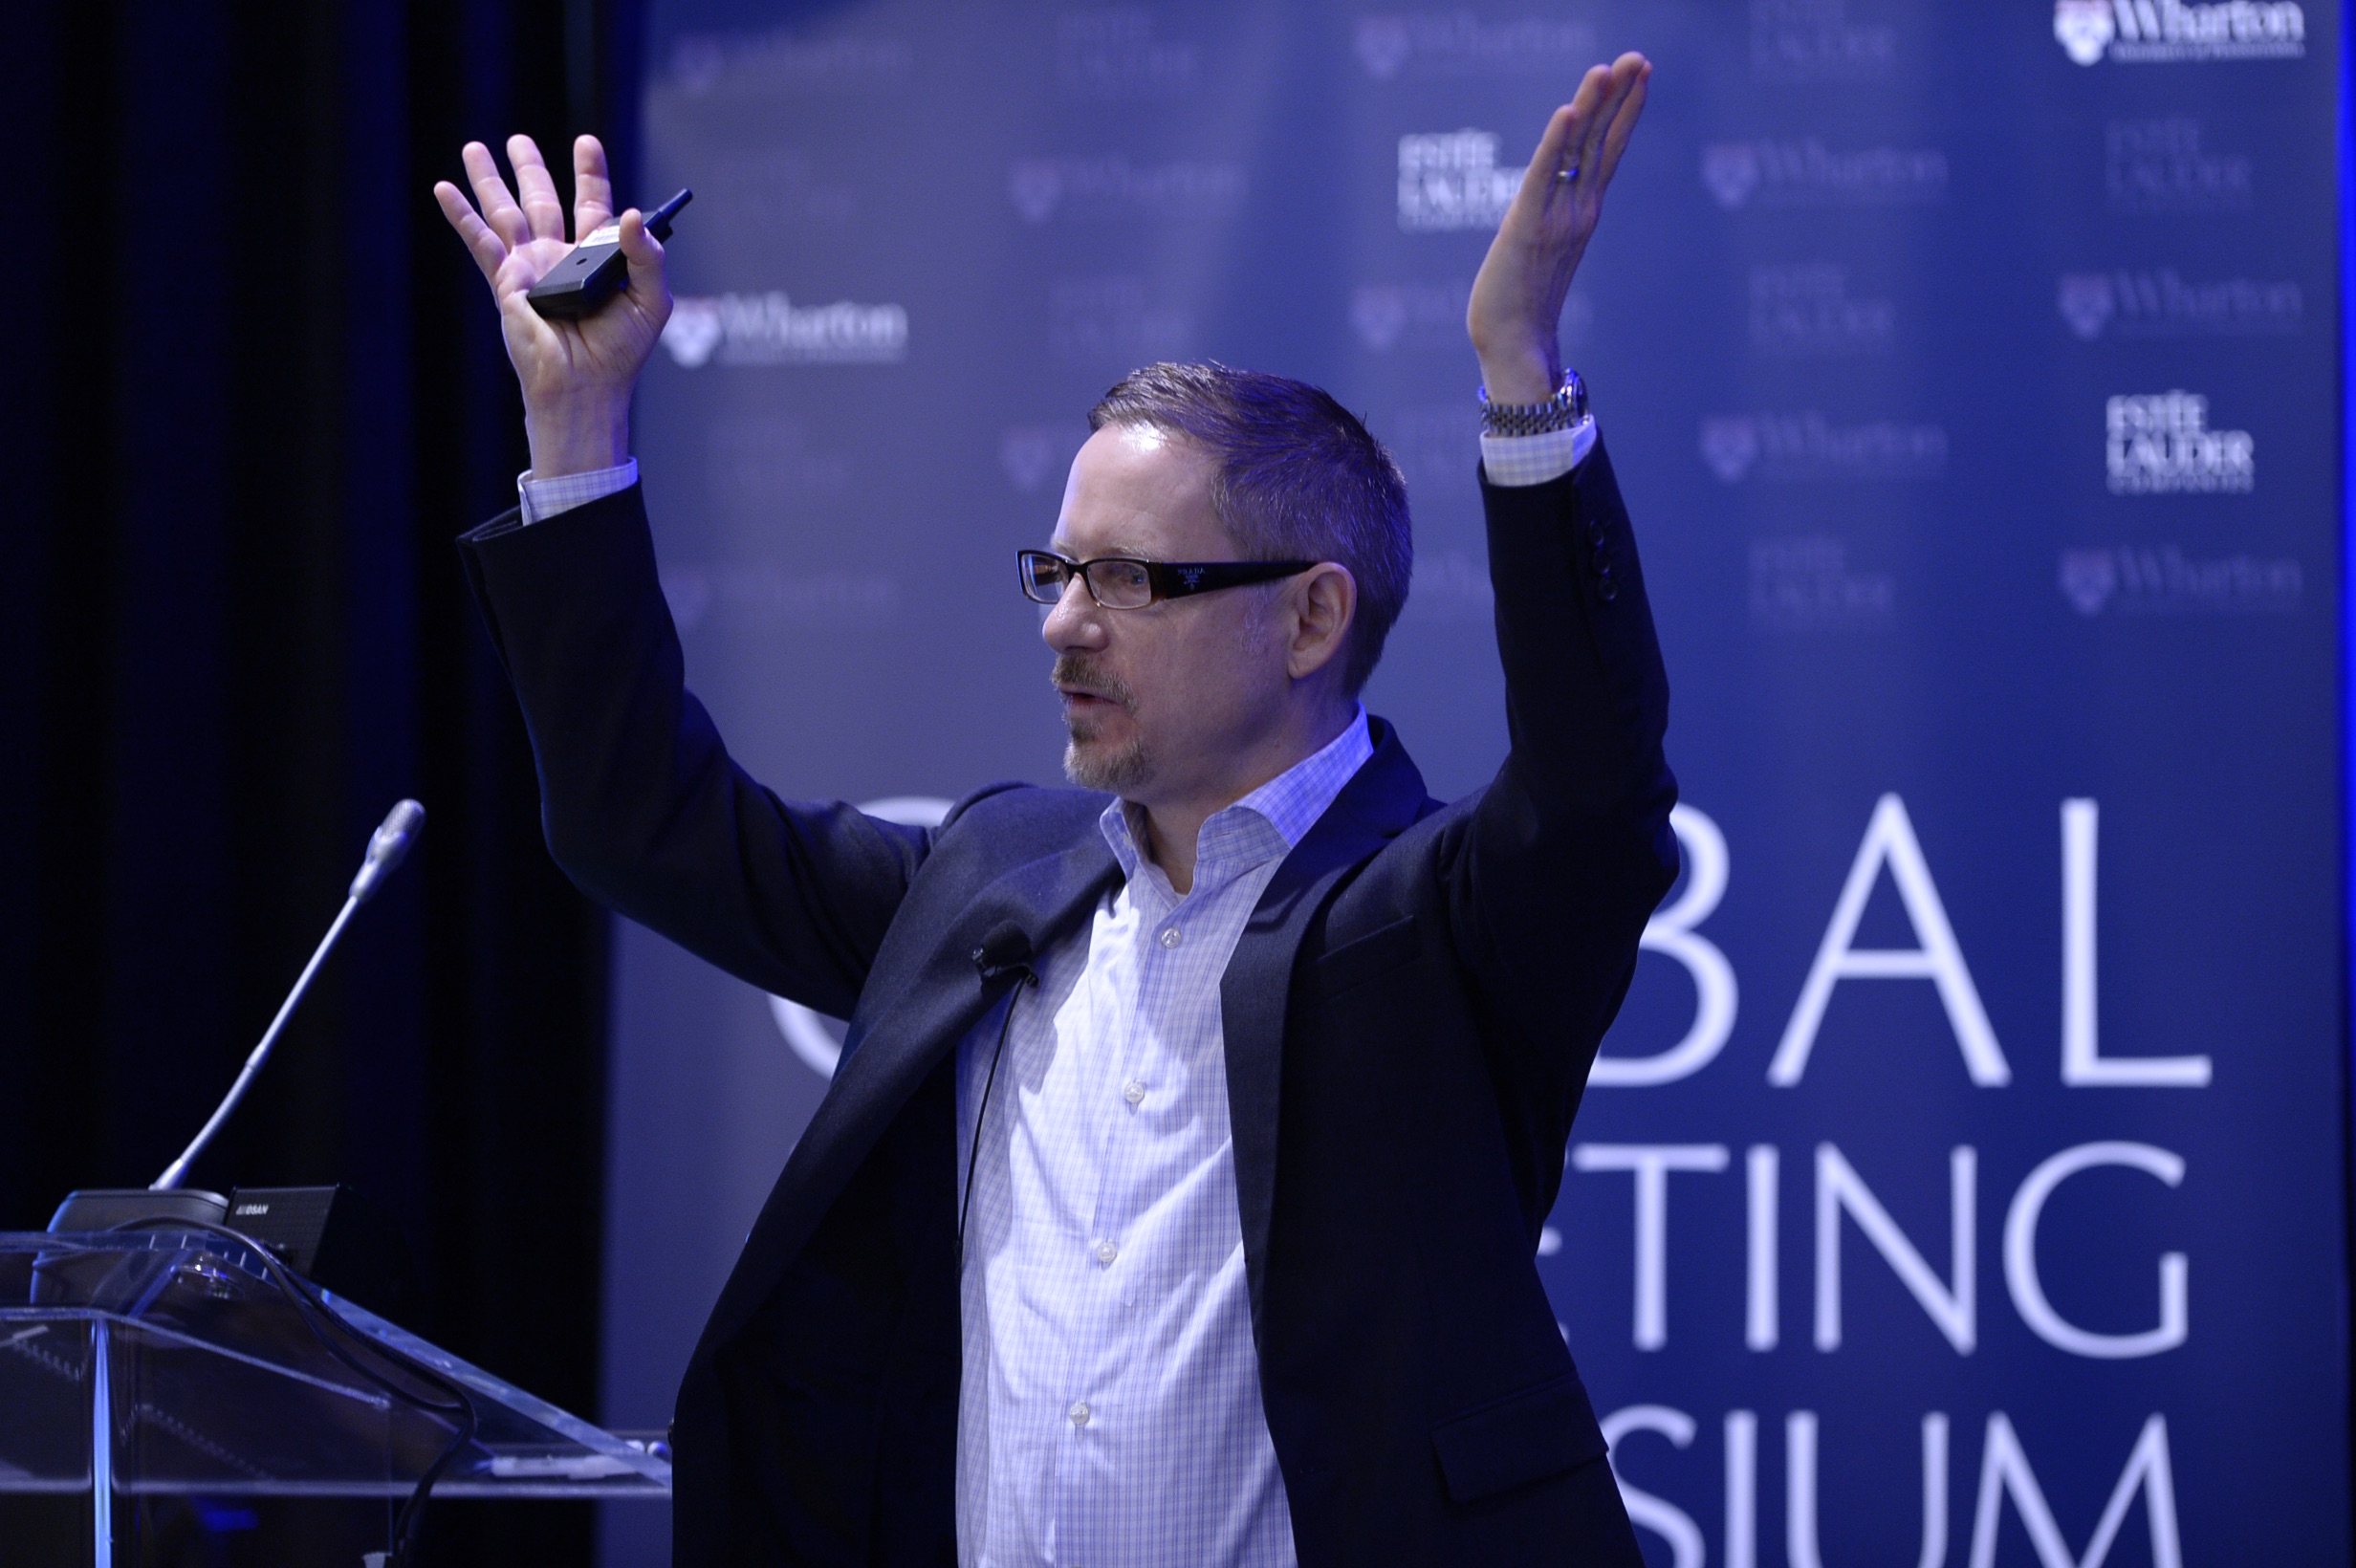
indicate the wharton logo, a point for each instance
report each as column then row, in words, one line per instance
column 2169, row 32
column 783, row 61
column 1808, row 173
column 766, row 595
column 2139, row 579
column 1806, row 445
column 2163, row 304
column 1113, row 187
column 768, row 329
column 1459, row 44
column 1431, row 315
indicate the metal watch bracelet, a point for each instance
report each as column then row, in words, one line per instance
column 1560, row 412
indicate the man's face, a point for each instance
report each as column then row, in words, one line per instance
column 1170, row 703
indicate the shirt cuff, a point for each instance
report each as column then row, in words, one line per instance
column 1534, row 459
column 544, row 498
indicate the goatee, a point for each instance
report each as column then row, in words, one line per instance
column 1088, row 761
column 1116, row 772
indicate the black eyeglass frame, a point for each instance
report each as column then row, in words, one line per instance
column 1164, row 580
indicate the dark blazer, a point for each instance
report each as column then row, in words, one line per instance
column 1410, row 1018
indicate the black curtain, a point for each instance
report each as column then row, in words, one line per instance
column 253, row 389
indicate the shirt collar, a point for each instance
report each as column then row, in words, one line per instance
column 1263, row 825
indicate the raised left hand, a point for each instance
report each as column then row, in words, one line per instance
column 1517, row 296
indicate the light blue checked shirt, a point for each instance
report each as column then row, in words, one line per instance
column 1110, row 1412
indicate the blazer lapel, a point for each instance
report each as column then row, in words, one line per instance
column 1379, row 802
column 925, row 1000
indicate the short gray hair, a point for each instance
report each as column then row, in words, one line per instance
column 1299, row 479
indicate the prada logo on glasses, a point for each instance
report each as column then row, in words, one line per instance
column 1125, row 583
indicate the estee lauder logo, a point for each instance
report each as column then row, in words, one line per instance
column 1451, row 180
column 2160, row 442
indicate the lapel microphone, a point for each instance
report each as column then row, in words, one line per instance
column 1005, row 949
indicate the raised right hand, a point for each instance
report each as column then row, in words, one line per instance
column 576, row 374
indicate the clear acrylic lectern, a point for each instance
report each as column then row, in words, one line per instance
column 136, row 1364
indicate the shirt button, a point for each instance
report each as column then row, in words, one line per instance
column 1135, row 1093
column 1170, row 938
column 1107, row 1251
column 1079, row 1414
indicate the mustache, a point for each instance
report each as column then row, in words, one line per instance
column 1075, row 673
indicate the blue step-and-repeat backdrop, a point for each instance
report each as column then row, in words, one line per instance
column 1964, row 1182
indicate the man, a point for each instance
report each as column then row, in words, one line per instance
column 1175, row 1200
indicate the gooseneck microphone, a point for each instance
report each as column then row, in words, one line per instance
column 1005, row 950
column 387, row 847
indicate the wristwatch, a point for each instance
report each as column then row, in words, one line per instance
column 1560, row 412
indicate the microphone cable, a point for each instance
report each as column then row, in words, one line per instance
column 1028, row 976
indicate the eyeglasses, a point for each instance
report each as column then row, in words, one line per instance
column 1121, row 583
